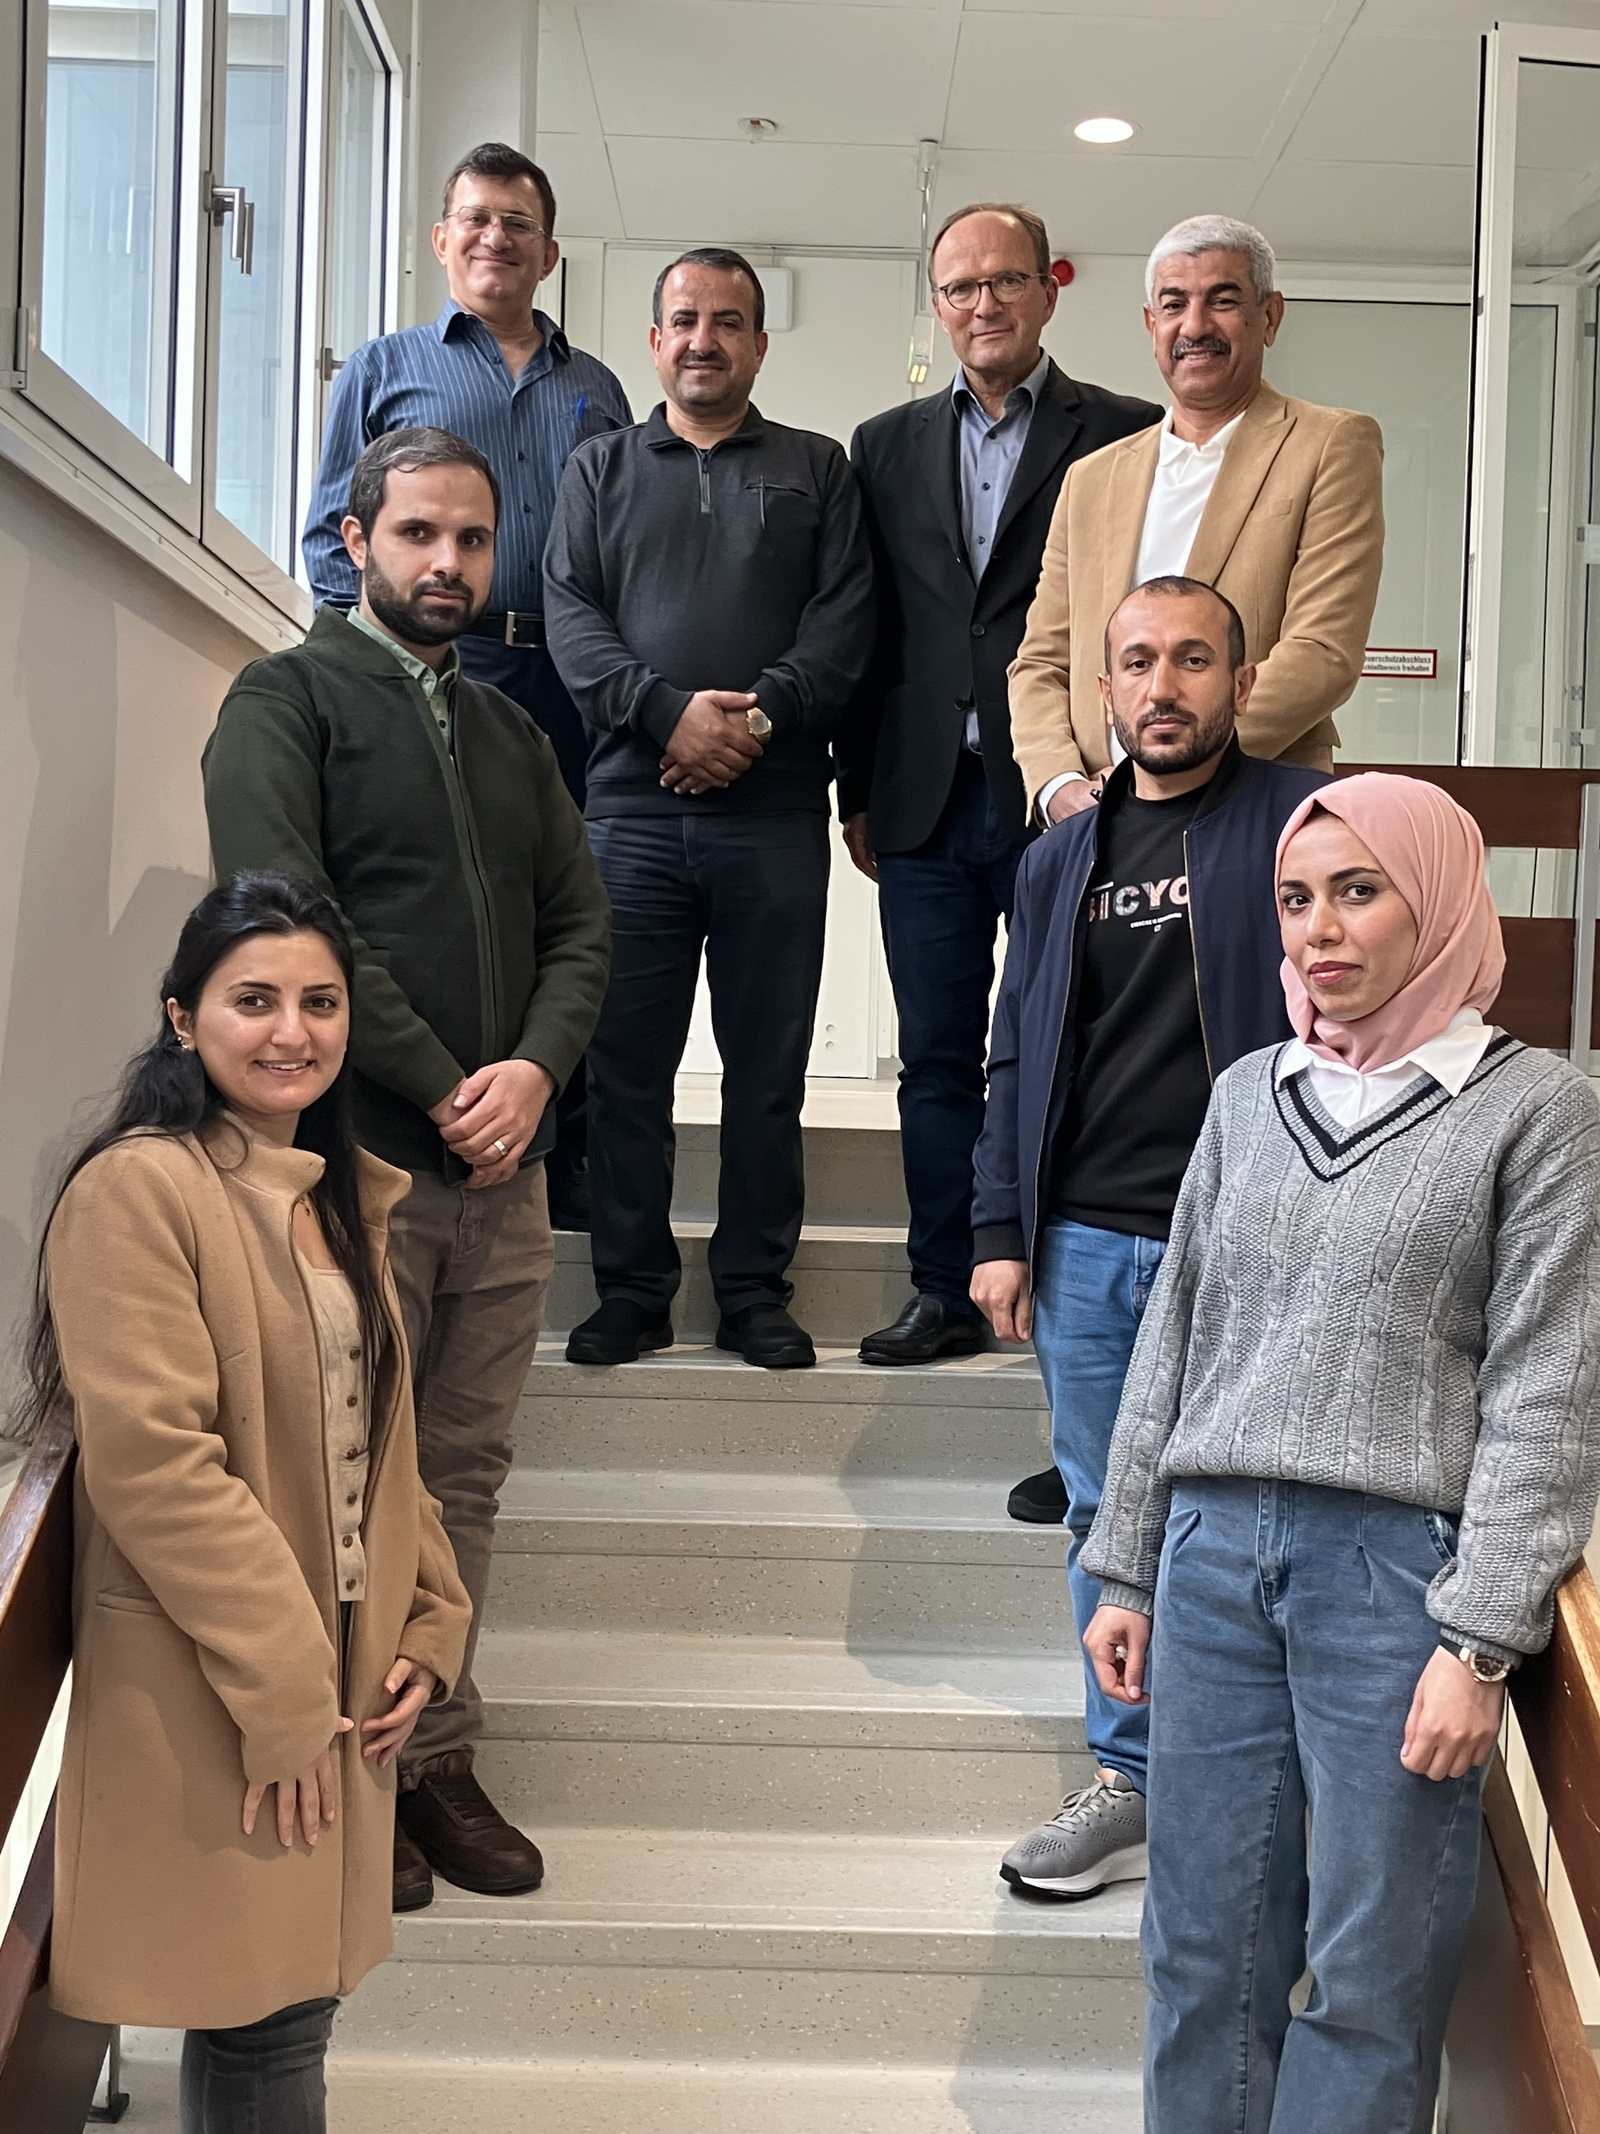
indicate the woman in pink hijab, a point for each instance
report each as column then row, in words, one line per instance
column 1358, row 1449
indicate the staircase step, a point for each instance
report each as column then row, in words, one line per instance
column 403, row 2093
column 879, row 1560
column 851, row 1176
column 848, row 1279
column 762, row 1734
column 698, row 1408
column 738, row 1946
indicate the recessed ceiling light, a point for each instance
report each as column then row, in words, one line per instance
column 1103, row 131
column 758, row 129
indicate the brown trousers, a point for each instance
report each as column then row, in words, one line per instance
column 472, row 1269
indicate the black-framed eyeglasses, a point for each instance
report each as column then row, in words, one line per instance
column 521, row 229
column 1005, row 288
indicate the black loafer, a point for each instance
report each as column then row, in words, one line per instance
column 617, row 1333
column 1040, row 1499
column 927, row 1329
column 765, row 1335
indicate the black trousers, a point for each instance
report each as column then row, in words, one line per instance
column 527, row 674
column 752, row 890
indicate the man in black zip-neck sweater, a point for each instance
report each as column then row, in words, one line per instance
column 708, row 604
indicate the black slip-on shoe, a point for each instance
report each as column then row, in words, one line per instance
column 766, row 1335
column 927, row 1329
column 1040, row 1499
column 618, row 1332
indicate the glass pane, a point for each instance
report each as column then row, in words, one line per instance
column 1525, row 557
column 110, row 172
column 260, row 311
column 356, row 239
column 1555, row 216
column 1407, row 366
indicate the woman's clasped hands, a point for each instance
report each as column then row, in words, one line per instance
column 309, row 1800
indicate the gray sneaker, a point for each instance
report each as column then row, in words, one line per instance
column 1096, row 1836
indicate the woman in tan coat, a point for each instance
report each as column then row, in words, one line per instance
column 265, row 1599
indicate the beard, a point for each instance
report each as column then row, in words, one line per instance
column 405, row 614
column 1209, row 735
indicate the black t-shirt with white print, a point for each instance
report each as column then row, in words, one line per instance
column 1140, row 1084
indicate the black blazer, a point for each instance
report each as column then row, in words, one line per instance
column 944, row 643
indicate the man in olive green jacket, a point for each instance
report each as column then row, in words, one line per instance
column 433, row 809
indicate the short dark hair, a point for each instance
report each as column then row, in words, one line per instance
column 495, row 159
column 409, row 449
column 726, row 262
column 1031, row 222
column 1173, row 586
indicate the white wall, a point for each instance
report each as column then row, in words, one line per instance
column 110, row 678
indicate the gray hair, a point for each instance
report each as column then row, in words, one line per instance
column 1215, row 233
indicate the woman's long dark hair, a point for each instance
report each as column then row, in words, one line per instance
column 166, row 1090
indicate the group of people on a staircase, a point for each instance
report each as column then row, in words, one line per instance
column 1308, row 1250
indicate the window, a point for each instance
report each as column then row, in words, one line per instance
column 180, row 318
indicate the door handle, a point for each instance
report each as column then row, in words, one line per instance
column 232, row 201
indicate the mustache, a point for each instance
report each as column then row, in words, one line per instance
column 703, row 363
column 1208, row 344
column 424, row 586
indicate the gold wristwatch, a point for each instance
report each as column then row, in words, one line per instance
column 757, row 725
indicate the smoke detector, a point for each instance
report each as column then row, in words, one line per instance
column 758, row 129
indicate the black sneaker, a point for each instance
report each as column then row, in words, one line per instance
column 764, row 1334
column 1040, row 1499
column 617, row 1333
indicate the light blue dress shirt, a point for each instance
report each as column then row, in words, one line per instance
column 450, row 375
column 989, row 455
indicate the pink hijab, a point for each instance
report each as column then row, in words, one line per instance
column 1433, row 853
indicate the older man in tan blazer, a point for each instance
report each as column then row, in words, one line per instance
column 1276, row 502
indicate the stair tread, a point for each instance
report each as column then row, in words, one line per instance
column 757, row 1883
column 820, row 1509
column 698, row 1370
column 644, row 1670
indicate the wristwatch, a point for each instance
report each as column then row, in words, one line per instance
column 1482, row 1666
column 757, row 724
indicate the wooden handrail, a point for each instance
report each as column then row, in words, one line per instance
column 1557, row 1701
column 35, row 1601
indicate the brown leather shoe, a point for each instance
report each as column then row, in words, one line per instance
column 413, row 1878
column 462, row 1834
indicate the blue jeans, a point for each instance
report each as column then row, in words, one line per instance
column 1090, row 1289
column 264, row 2078
column 941, row 906
column 1290, row 1630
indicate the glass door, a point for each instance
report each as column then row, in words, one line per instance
column 1531, row 693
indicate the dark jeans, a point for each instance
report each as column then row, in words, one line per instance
column 941, row 907
column 752, row 890
column 264, row 2078
column 527, row 675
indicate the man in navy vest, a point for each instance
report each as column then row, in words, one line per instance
column 1142, row 959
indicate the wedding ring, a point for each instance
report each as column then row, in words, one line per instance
column 501, row 1147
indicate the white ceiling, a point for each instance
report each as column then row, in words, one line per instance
column 1345, row 128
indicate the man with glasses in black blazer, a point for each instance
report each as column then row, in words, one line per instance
column 958, row 491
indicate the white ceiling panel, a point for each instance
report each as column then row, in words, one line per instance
column 775, row 193
column 1390, row 212
column 1470, row 18
column 1033, row 77
column 1394, row 100
column 1227, row 15
column 1117, row 203
column 586, row 201
column 696, row 68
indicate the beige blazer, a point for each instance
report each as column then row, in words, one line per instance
column 206, row 1616
column 1292, row 533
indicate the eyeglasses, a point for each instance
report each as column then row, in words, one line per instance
column 1006, row 288
column 521, row 229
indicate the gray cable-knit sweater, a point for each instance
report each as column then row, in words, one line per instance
column 1410, row 1306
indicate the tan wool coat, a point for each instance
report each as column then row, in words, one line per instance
column 1292, row 533
column 206, row 1648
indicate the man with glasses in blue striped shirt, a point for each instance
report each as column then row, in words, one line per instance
column 495, row 370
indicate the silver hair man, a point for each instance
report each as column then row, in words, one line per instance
column 1215, row 233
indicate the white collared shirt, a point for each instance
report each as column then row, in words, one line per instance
column 1179, row 493
column 1348, row 1096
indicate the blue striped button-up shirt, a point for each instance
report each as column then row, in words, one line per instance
column 450, row 375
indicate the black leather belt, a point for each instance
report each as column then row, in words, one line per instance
column 522, row 627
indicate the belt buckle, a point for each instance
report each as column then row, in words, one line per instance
column 525, row 618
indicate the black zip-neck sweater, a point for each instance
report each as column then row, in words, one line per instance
column 671, row 569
